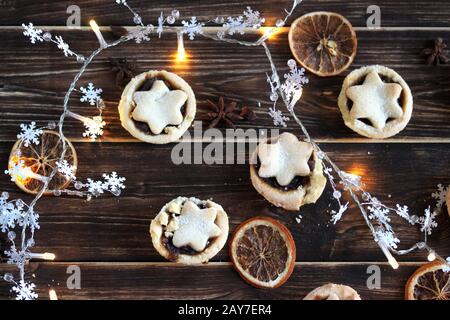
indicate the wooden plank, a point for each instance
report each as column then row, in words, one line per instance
column 37, row 76
column 404, row 13
column 116, row 229
column 167, row 281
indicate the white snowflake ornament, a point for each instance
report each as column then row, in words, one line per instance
column 25, row 290
column 90, row 94
column 67, row 170
column 30, row 134
column 192, row 27
column 114, row 183
column 33, row 33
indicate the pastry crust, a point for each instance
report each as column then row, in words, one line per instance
column 159, row 223
column 331, row 291
column 392, row 127
column 290, row 200
column 170, row 133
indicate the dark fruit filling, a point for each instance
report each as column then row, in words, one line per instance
column 175, row 251
column 295, row 183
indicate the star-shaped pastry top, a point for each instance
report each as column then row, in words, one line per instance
column 375, row 100
column 284, row 159
column 196, row 227
column 159, row 106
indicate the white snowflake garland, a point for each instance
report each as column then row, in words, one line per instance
column 90, row 94
column 25, row 290
column 29, row 134
column 32, row 32
column 440, row 196
column 67, row 170
column 278, row 118
column 192, row 27
column 94, row 128
column 63, row 46
column 113, row 182
column 428, row 221
column 141, row 34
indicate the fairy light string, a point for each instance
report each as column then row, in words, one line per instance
column 290, row 92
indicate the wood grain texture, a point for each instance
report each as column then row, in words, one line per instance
column 403, row 13
column 108, row 237
column 36, row 77
column 116, row 229
column 167, row 281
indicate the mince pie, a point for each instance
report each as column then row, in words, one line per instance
column 157, row 107
column 331, row 291
column 376, row 102
column 287, row 172
column 189, row 230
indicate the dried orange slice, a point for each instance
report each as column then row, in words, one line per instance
column 41, row 159
column 448, row 201
column 323, row 42
column 429, row 282
column 263, row 252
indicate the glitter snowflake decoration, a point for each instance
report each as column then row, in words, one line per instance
column 15, row 257
column 94, row 127
column 67, row 170
column 234, row 25
column 428, row 221
column 95, row 187
column 33, row 33
column 293, row 85
column 192, row 28
column 160, row 28
column 387, row 238
column 29, row 134
column 25, row 290
column 141, row 34
column 278, row 118
column 90, row 94
column 113, row 182
column 63, row 46
column 253, row 18
column 440, row 196
column 337, row 195
column 237, row 25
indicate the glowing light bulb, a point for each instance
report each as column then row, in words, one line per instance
column 181, row 52
column 270, row 32
column 431, row 256
column 394, row 264
column 97, row 32
column 52, row 294
column 43, row 256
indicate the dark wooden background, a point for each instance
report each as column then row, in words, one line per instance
column 108, row 237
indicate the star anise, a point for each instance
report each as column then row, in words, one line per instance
column 437, row 54
column 227, row 114
column 124, row 70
